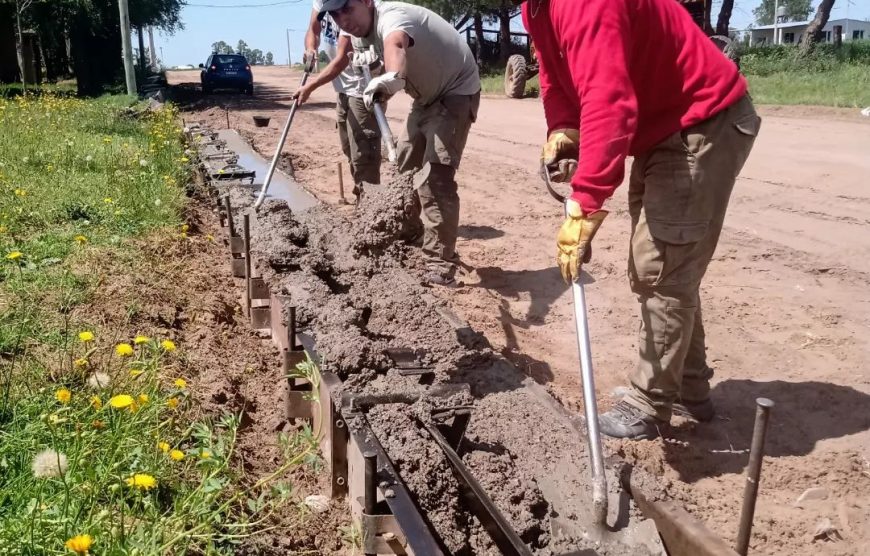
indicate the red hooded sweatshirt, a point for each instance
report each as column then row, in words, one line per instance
column 627, row 73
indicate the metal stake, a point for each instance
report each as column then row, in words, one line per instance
column 291, row 328
column 246, row 230
column 341, row 199
column 227, row 109
column 371, row 489
column 753, row 474
column 229, row 210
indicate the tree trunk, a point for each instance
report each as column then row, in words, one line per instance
column 724, row 22
column 143, row 60
column 478, row 35
column 814, row 29
column 504, row 33
column 708, row 14
column 19, row 45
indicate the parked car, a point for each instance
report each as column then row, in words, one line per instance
column 227, row 71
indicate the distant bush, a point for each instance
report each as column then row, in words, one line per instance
column 768, row 60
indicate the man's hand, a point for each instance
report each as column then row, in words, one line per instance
column 381, row 88
column 310, row 61
column 365, row 58
column 560, row 154
column 575, row 235
column 304, row 92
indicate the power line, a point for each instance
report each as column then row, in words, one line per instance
column 244, row 5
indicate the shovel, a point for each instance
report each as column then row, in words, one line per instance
column 378, row 108
column 271, row 172
column 590, row 405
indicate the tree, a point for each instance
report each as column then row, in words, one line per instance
column 242, row 48
column 796, row 10
column 221, row 47
column 255, row 57
column 270, row 60
column 723, row 24
column 20, row 7
column 814, row 30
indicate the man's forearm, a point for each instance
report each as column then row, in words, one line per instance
column 330, row 72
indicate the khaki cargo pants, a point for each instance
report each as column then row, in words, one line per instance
column 678, row 195
column 431, row 145
column 360, row 139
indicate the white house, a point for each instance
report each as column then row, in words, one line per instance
column 792, row 32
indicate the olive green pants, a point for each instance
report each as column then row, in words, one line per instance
column 678, row 195
column 431, row 145
column 360, row 139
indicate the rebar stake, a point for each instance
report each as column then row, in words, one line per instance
column 246, row 230
column 341, row 199
column 229, row 210
column 370, row 496
column 291, row 328
column 753, row 474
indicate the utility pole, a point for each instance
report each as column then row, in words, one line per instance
column 288, row 48
column 127, row 47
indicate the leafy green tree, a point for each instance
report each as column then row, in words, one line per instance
column 269, row 60
column 221, row 47
column 797, row 10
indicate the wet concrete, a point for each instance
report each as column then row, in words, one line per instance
column 283, row 187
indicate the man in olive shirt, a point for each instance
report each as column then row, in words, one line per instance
column 428, row 59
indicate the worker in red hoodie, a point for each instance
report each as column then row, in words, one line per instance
column 639, row 78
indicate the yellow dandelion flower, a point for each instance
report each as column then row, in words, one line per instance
column 14, row 255
column 143, row 399
column 176, row 455
column 136, row 372
column 107, row 140
column 80, row 239
column 63, row 395
column 124, row 350
column 86, row 336
column 172, row 403
column 185, row 227
column 180, row 383
column 185, row 159
column 21, row 192
column 108, row 200
column 121, row 401
column 168, row 345
column 163, row 446
column 96, row 402
column 209, row 237
column 142, row 481
column 80, row 363
column 205, row 454
column 140, row 339
column 80, row 544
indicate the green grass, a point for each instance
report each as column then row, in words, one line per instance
column 828, row 76
column 492, row 83
column 82, row 183
column 846, row 86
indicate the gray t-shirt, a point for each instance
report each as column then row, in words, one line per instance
column 439, row 62
column 347, row 82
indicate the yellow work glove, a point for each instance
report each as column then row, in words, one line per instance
column 575, row 236
column 560, row 153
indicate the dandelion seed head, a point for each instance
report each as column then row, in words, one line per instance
column 49, row 464
column 99, row 380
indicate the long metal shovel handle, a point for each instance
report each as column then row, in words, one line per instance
column 286, row 130
column 381, row 117
column 590, row 404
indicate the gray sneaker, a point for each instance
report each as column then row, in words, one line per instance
column 627, row 421
column 699, row 411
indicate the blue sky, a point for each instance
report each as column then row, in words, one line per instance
column 265, row 27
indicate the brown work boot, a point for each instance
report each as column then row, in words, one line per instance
column 697, row 411
column 626, row 421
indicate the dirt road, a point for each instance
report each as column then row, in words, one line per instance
column 786, row 300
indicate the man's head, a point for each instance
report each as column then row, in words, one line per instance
column 354, row 16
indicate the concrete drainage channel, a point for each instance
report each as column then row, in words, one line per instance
column 438, row 444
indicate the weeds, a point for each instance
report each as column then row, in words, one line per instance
column 98, row 453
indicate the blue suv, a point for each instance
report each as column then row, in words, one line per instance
column 227, row 71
